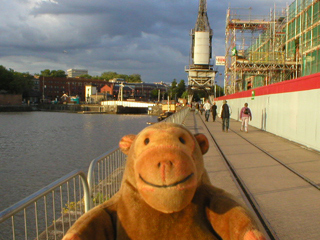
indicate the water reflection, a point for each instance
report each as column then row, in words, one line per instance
column 37, row 148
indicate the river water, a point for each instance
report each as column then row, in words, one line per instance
column 37, row 148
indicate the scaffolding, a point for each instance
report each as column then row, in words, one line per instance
column 261, row 50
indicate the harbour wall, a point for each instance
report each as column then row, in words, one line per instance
column 10, row 99
column 289, row 109
column 83, row 108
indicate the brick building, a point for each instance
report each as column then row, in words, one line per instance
column 52, row 88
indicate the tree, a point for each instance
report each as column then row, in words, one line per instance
column 53, row 73
column 87, row 76
column 176, row 90
column 185, row 95
column 59, row 73
column 109, row 75
column 154, row 94
column 134, row 78
column 45, row 73
column 15, row 82
column 198, row 95
column 181, row 88
column 6, row 77
column 22, row 82
column 173, row 90
column 219, row 91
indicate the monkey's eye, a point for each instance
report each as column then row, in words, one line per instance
column 146, row 141
column 182, row 140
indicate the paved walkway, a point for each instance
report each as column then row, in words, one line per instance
column 291, row 205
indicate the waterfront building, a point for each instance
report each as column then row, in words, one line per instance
column 140, row 91
column 76, row 72
column 52, row 88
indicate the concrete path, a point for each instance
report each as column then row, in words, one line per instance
column 291, row 204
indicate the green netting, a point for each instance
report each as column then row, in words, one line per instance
column 316, row 12
column 298, row 6
column 311, row 63
column 258, row 81
column 314, row 65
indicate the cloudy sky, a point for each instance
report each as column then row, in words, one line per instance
column 147, row 37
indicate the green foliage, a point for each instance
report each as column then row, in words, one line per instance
column 46, row 73
column 154, row 94
column 128, row 78
column 109, row 75
column 100, row 198
column 73, row 206
column 15, row 82
column 87, row 76
column 185, row 95
column 53, row 73
column 22, row 82
column 176, row 90
column 134, row 78
column 219, row 91
column 181, row 88
column 6, row 76
column 198, row 95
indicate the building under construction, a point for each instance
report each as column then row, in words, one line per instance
column 261, row 50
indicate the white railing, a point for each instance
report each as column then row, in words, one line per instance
column 178, row 117
column 105, row 175
column 50, row 212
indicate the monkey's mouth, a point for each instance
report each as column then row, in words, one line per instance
column 167, row 186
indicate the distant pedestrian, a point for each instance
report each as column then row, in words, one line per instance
column 225, row 113
column 245, row 115
column 201, row 108
column 197, row 107
column 207, row 108
column 214, row 111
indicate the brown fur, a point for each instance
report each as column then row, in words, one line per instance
column 166, row 194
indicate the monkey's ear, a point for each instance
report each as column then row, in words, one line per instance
column 203, row 142
column 126, row 142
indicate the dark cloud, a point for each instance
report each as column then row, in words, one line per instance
column 127, row 36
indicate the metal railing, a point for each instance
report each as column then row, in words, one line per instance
column 178, row 117
column 50, row 212
column 105, row 175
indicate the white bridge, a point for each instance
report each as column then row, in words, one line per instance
column 128, row 104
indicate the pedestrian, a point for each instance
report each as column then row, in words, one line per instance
column 201, row 108
column 207, row 107
column 245, row 115
column 214, row 111
column 225, row 113
column 197, row 107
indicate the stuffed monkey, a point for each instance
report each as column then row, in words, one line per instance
column 166, row 194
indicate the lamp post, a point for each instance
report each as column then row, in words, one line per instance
column 43, row 87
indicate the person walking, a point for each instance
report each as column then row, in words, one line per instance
column 197, row 107
column 201, row 108
column 245, row 115
column 207, row 107
column 225, row 113
column 214, row 111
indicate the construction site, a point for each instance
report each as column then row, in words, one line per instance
column 262, row 50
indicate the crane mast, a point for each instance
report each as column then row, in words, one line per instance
column 200, row 71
